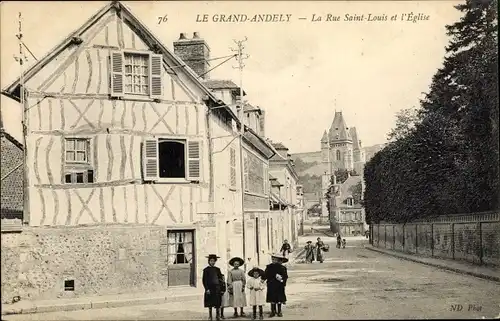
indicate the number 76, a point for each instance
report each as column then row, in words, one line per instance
column 162, row 19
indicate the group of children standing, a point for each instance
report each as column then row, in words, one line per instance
column 220, row 294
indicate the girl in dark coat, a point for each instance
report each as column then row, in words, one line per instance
column 213, row 282
column 276, row 276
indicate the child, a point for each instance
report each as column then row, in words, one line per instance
column 276, row 276
column 343, row 243
column 212, row 282
column 225, row 301
column 256, row 286
column 237, row 281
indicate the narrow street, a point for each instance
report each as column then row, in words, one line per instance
column 352, row 283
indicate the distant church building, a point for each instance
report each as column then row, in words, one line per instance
column 341, row 149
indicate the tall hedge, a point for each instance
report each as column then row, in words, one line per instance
column 447, row 163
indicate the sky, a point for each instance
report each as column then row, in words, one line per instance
column 299, row 71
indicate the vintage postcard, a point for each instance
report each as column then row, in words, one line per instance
column 201, row 160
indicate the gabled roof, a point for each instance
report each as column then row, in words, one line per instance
column 147, row 36
column 11, row 138
column 223, row 84
column 339, row 129
column 347, row 185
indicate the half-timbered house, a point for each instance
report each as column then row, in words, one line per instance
column 120, row 174
column 252, row 194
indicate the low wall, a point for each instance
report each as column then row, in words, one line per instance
column 102, row 260
column 473, row 238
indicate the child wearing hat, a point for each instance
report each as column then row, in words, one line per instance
column 213, row 284
column 237, row 281
column 276, row 276
column 257, row 296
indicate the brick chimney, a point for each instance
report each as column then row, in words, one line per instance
column 262, row 123
column 282, row 150
column 195, row 52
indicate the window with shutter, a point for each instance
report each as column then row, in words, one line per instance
column 156, row 76
column 232, row 165
column 246, row 167
column 150, row 159
column 117, row 89
column 194, row 160
column 169, row 160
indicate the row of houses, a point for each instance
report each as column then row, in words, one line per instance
column 138, row 166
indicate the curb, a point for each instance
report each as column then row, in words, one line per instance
column 437, row 265
column 99, row 304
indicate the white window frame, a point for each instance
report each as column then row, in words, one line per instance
column 117, row 73
column 147, row 57
column 75, row 167
column 187, row 177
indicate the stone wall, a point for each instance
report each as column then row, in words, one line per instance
column 101, row 260
column 11, row 187
column 473, row 238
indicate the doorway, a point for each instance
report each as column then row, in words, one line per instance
column 181, row 258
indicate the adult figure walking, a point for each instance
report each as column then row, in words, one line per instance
column 339, row 240
column 309, row 252
column 319, row 250
column 276, row 276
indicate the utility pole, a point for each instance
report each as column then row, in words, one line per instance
column 240, row 57
column 21, row 58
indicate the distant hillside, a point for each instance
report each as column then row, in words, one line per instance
column 309, row 167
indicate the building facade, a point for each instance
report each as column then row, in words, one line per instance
column 121, row 192
column 281, row 167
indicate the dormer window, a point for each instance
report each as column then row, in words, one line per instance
column 350, row 201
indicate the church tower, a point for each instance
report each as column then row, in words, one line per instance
column 341, row 144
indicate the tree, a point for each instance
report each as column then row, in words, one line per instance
column 444, row 159
column 405, row 124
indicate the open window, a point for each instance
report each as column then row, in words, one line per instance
column 171, row 160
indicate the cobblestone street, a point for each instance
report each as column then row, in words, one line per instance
column 353, row 283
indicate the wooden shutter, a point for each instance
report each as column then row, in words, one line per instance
column 232, row 165
column 150, row 159
column 266, row 179
column 246, row 165
column 194, row 160
column 117, row 76
column 156, row 76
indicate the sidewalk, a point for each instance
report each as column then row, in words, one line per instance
column 174, row 294
column 484, row 272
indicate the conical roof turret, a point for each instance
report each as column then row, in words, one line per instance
column 324, row 139
column 339, row 129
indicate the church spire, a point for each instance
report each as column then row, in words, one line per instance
column 339, row 129
column 325, row 137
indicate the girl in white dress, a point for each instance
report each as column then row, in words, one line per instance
column 257, row 294
column 237, row 281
